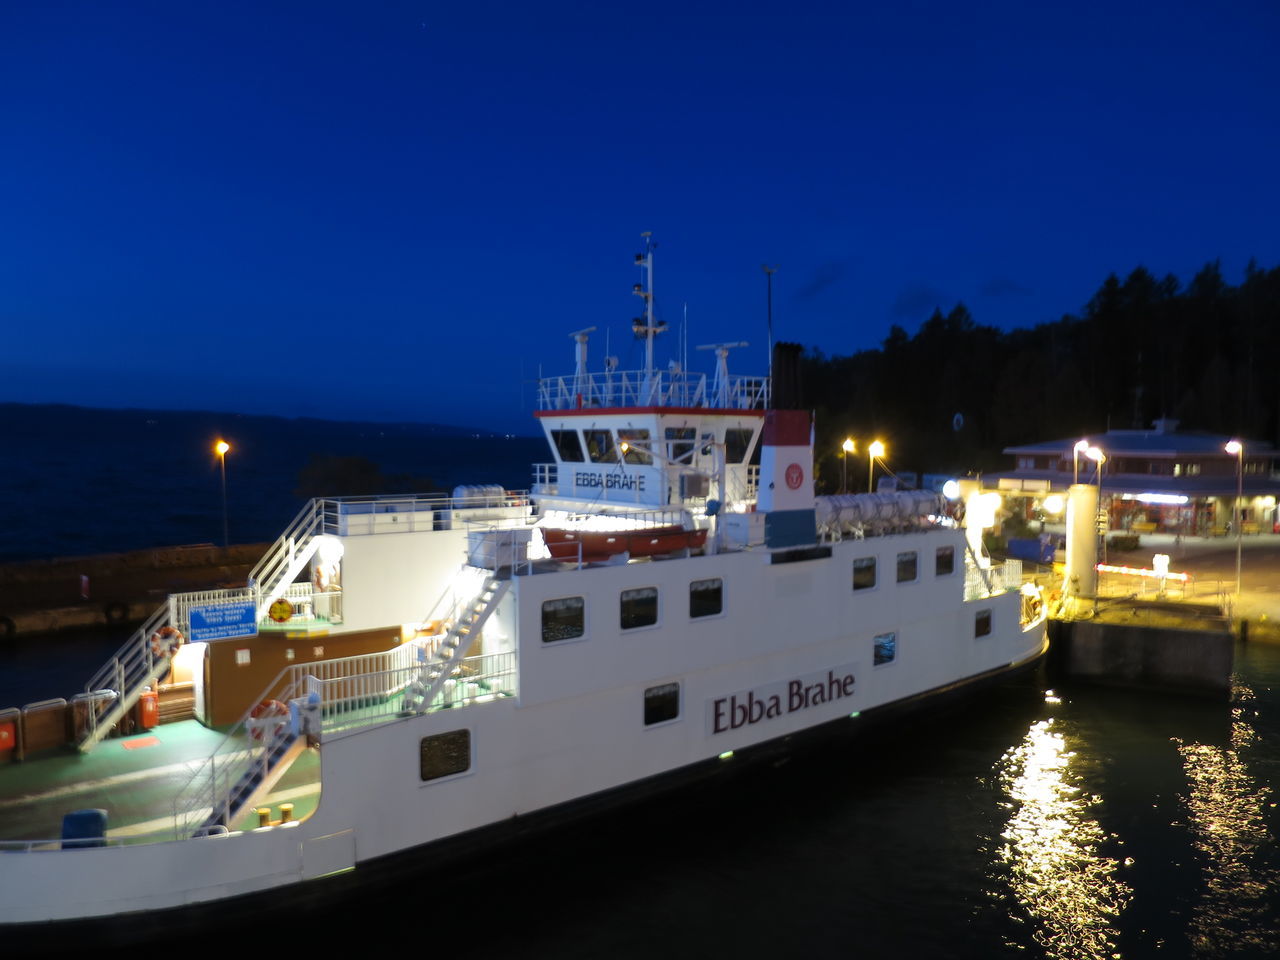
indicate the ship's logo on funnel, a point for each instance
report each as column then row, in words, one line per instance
column 795, row 476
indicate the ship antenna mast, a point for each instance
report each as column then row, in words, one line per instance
column 645, row 326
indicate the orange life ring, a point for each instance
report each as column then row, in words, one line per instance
column 269, row 716
column 165, row 641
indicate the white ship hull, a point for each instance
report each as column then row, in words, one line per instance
column 776, row 663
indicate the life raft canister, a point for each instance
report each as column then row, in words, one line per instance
column 165, row 641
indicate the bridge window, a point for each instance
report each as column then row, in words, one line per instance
column 639, row 607
column 563, row 619
column 706, row 597
column 944, row 562
column 636, row 454
column 907, row 566
column 886, row 648
column 567, row 446
column 982, row 623
column 864, row 573
column 445, row 754
column 600, row 446
column 680, row 443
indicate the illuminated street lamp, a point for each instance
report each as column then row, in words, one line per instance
column 1080, row 447
column 875, row 450
column 1097, row 456
column 846, row 448
column 1236, row 449
column 221, row 448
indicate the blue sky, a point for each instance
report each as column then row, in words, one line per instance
column 401, row 210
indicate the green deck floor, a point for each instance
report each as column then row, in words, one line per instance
column 135, row 786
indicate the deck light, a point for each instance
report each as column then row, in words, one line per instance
column 1080, row 447
column 846, row 448
column 875, row 450
column 1236, row 449
column 220, row 448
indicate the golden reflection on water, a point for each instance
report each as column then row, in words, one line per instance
column 1051, row 850
column 1227, row 809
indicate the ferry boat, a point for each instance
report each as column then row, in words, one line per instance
column 400, row 673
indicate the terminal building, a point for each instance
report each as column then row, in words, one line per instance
column 1157, row 480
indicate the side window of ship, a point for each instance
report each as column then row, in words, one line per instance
column 736, row 442
column 638, row 448
column 568, row 446
column 661, row 703
column 563, row 619
column 907, row 565
column 864, row 573
column 706, row 597
column 600, row 446
column 445, row 754
column 944, row 562
column 982, row 623
column 886, row 648
column 639, row 607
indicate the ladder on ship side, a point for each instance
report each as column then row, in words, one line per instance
column 146, row 657
column 442, row 659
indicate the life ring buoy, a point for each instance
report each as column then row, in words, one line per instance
column 281, row 610
column 266, row 718
column 165, row 641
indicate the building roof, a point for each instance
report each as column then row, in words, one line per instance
column 1149, row 443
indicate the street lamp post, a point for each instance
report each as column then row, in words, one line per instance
column 846, row 448
column 875, row 450
column 221, row 448
column 1080, row 447
column 1236, row 449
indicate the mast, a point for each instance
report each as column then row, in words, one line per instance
column 645, row 326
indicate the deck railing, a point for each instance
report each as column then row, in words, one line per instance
column 661, row 388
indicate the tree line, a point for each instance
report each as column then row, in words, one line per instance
column 950, row 398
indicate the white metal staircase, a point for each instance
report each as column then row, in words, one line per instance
column 444, row 657
column 117, row 686
column 251, row 759
column 291, row 552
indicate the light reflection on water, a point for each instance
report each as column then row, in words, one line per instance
column 1227, row 808
column 1051, row 856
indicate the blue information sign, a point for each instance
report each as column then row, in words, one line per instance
column 223, row 621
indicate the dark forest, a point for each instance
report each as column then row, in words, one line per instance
column 952, row 397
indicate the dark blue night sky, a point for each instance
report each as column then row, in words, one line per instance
column 401, row 210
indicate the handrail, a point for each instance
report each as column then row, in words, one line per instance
column 132, row 667
column 658, row 388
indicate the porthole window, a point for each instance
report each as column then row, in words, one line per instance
column 907, row 566
column 445, row 754
column 885, row 649
column 563, row 619
column 944, row 562
column 661, row 703
column 706, row 598
column 864, row 573
column 639, row 607
column 982, row 623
